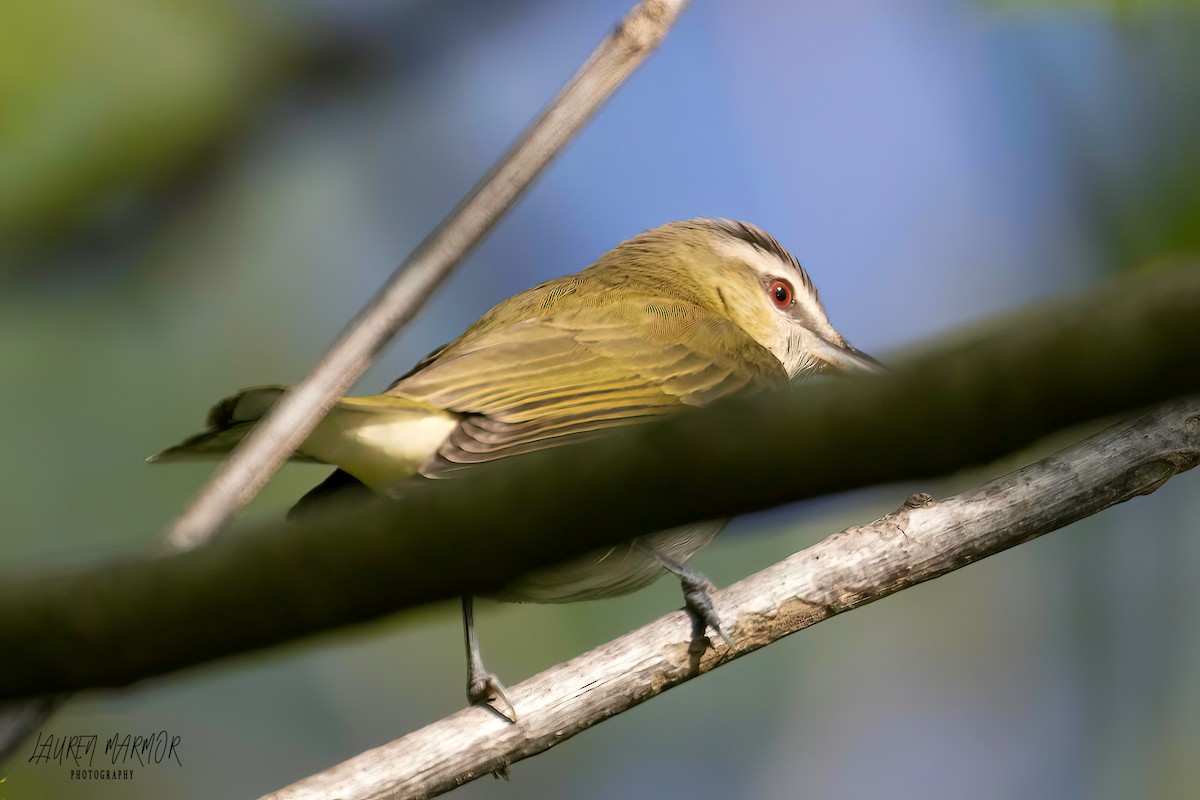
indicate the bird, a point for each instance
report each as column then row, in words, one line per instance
column 677, row 316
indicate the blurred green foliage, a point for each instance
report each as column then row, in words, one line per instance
column 100, row 102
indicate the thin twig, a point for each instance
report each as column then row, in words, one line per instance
column 920, row 541
column 243, row 474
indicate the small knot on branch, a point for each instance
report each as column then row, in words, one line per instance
column 918, row 500
column 646, row 25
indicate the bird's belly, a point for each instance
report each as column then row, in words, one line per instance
column 611, row 572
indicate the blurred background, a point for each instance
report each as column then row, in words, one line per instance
column 195, row 197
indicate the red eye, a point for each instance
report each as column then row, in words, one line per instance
column 781, row 293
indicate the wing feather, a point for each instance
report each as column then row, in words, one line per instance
column 539, row 383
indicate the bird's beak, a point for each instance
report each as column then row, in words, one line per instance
column 846, row 358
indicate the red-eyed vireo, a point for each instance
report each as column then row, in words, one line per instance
column 678, row 316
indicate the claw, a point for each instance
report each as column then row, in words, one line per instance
column 484, row 689
column 699, row 605
column 695, row 598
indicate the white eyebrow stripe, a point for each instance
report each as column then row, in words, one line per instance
column 765, row 242
column 762, row 262
column 769, row 265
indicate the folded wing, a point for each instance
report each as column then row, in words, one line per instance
column 539, row 383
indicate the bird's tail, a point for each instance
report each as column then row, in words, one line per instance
column 228, row 423
column 379, row 439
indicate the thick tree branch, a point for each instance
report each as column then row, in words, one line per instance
column 986, row 394
column 260, row 455
column 920, row 541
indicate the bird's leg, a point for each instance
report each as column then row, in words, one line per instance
column 695, row 596
column 483, row 688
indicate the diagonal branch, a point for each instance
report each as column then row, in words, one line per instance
column 238, row 479
column 920, row 541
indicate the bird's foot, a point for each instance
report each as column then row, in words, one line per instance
column 696, row 589
column 485, row 689
column 696, row 599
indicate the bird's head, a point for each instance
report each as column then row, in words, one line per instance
column 740, row 272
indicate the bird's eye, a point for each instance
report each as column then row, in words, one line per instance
column 781, row 293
